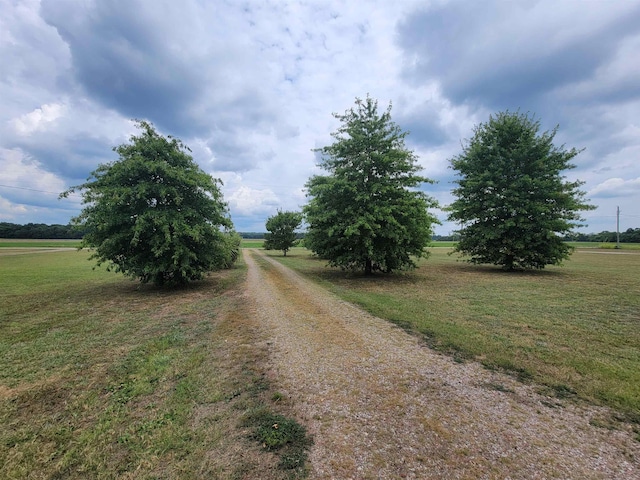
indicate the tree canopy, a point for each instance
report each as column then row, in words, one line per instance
column 282, row 231
column 154, row 214
column 513, row 203
column 367, row 214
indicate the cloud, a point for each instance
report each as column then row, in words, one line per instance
column 22, row 171
column 34, row 60
column 28, row 190
column 11, row 212
column 251, row 86
column 35, row 120
column 424, row 127
column 246, row 200
column 616, row 187
column 117, row 56
column 70, row 145
column 185, row 66
column 236, row 154
column 506, row 54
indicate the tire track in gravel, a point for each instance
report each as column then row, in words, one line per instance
column 381, row 405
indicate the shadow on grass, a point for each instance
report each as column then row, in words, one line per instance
column 214, row 282
column 462, row 266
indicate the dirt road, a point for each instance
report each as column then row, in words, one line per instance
column 381, row 405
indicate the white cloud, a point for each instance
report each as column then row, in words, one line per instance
column 252, row 201
column 38, row 118
column 10, row 211
column 21, row 171
column 29, row 192
column 616, row 187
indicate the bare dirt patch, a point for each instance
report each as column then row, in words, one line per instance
column 381, row 405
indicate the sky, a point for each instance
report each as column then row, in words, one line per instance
column 251, row 86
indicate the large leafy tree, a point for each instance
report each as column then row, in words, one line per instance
column 513, row 203
column 282, row 231
column 367, row 214
column 154, row 214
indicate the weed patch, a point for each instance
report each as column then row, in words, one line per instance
column 276, row 432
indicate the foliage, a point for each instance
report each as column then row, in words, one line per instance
column 39, row 231
column 155, row 215
column 512, row 202
column 365, row 215
column 282, row 227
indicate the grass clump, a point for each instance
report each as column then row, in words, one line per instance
column 275, row 432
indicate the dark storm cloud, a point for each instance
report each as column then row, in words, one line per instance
column 123, row 59
column 424, row 130
column 478, row 58
column 71, row 157
column 235, row 154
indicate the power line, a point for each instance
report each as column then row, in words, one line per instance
column 29, row 189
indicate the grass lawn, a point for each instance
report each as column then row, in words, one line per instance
column 574, row 330
column 252, row 243
column 104, row 378
column 18, row 243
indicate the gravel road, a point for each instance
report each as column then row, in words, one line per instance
column 379, row 404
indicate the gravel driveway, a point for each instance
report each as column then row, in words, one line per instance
column 381, row 405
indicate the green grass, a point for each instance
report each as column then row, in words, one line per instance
column 606, row 246
column 574, row 330
column 622, row 246
column 442, row 244
column 252, row 243
column 102, row 377
column 11, row 243
column 277, row 432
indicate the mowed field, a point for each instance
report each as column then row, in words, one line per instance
column 101, row 377
column 573, row 330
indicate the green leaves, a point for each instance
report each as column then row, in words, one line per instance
column 512, row 202
column 366, row 215
column 154, row 214
column 282, row 227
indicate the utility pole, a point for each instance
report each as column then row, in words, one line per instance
column 618, row 227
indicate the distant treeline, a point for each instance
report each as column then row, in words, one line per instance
column 260, row 235
column 51, row 232
column 38, row 231
column 631, row 235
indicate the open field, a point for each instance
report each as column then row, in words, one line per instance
column 7, row 243
column 252, row 243
column 257, row 243
column 574, row 330
column 103, row 378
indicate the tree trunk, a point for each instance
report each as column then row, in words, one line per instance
column 368, row 268
column 508, row 265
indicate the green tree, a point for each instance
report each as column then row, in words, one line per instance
column 367, row 215
column 154, row 214
column 282, row 231
column 513, row 203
